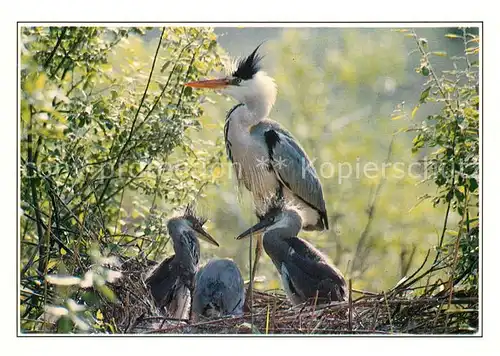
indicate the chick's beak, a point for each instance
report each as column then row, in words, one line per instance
column 210, row 84
column 256, row 229
column 206, row 236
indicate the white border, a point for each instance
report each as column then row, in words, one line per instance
column 251, row 10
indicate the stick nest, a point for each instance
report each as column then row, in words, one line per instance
column 398, row 311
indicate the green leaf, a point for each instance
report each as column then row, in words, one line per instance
column 64, row 325
column 473, row 185
column 439, row 53
column 414, row 111
column 451, row 35
column 424, row 95
column 397, row 117
column 107, row 293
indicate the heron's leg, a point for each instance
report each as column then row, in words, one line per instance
column 258, row 254
column 253, row 271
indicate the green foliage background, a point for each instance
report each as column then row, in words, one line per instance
column 105, row 162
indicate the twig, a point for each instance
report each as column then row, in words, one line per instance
column 134, row 121
column 350, row 304
column 388, row 312
column 54, row 50
column 375, row 317
column 32, row 182
column 453, row 268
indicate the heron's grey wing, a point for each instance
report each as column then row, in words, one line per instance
column 292, row 165
column 162, row 281
column 309, row 272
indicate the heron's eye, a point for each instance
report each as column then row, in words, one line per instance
column 236, row 81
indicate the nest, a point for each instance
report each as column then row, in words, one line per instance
column 399, row 311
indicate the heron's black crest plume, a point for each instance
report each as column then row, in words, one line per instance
column 274, row 207
column 191, row 215
column 190, row 212
column 249, row 66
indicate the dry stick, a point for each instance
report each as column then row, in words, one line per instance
column 375, row 317
column 315, row 302
column 388, row 312
column 350, row 304
column 455, row 258
column 250, row 287
column 438, row 311
column 317, row 326
column 46, row 263
column 366, row 293
column 409, row 281
column 268, row 316
column 275, row 299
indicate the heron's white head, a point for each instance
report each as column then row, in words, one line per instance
column 247, row 83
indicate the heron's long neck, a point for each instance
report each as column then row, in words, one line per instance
column 257, row 96
column 258, row 108
column 248, row 114
column 187, row 250
column 274, row 240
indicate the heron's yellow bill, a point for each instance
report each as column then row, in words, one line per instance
column 210, row 84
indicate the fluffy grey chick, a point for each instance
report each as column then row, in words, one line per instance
column 219, row 290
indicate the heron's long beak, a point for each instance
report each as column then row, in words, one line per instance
column 211, row 84
column 256, row 229
column 206, row 236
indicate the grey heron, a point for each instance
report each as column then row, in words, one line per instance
column 172, row 282
column 305, row 272
column 219, row 290
column 267, row 159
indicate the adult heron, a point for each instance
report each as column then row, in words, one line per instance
column 267, row 159
column 305, row 272
column 172, row 282
column 219, row 290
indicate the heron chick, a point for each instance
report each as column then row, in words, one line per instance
column 305, row 273
column 172, row 282
column 219, row 290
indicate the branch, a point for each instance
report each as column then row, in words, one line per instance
column 32, row 182
column 58, row 43
column 131, row 132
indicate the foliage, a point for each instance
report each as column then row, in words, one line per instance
column 103, row 125
column 452, row 135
